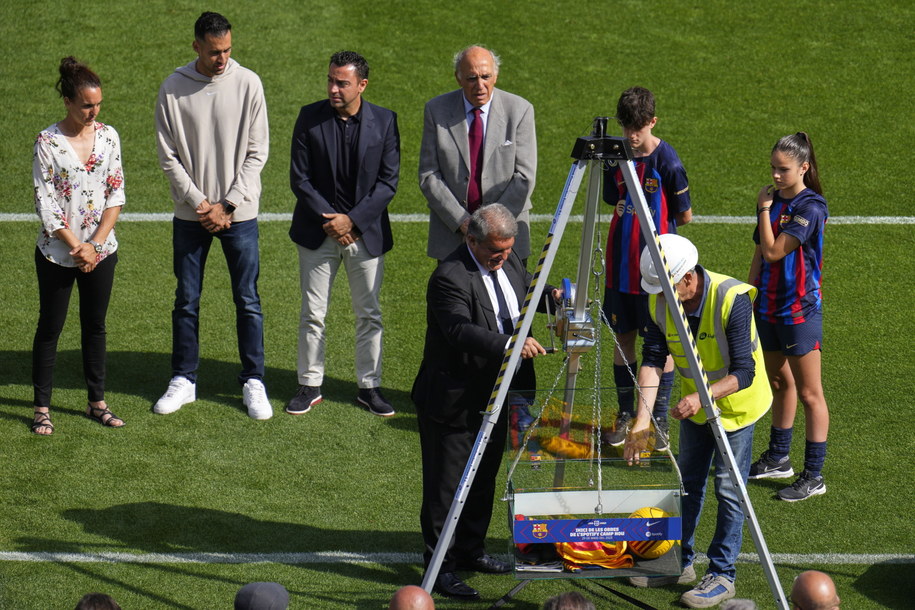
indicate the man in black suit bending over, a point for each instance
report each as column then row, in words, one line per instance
column 473, row 302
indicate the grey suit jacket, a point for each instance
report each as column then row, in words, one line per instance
column 509, row 166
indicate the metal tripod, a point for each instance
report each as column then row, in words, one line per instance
column 595, row 150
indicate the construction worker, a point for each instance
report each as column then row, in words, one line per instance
column 719, row 312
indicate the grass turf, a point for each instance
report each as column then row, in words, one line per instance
column 729, row 80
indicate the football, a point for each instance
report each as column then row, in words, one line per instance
column 650, row 549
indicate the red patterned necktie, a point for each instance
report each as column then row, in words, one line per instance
column 475, row 136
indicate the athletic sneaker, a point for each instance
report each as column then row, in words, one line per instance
column 305, row 398
column 687, row 576
column 769, row 468
column 662, row 434
column 805, row 487
column 617, row 436
column 181, row 391
column 373, row 400
column 254, row 395
column 711, row 591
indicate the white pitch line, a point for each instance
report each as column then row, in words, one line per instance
column 291, row 558
column 339, row 557
column 829, row 558
column 424, row 218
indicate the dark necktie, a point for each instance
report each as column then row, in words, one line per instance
column 475, row 137
column 505, row 318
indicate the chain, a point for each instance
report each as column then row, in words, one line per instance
column 597, row 270
column 638, row 391
column 536, row 422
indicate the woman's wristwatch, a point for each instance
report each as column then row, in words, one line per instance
column 97, row 246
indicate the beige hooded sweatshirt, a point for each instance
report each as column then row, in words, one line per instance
column 213, row 138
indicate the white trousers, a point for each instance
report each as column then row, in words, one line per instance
column 317, row 270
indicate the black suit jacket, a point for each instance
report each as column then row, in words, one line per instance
column 464, row 346
column 312, row 170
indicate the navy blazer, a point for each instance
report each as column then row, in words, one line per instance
column 464, row 345
column 312, row 170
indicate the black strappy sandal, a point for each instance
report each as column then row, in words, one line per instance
column 104, row 416
column 42, row 420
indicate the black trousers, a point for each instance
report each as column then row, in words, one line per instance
column 445, row 451
column 55, row 283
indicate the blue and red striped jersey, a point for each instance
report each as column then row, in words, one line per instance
column 790, row 289
column 666, row 189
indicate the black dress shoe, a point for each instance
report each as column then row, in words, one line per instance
column 485, row 563
column 449, row 585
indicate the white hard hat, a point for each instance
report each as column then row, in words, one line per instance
column 681, row 254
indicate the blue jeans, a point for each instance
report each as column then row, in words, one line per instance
column 191, row 244
column 697, row 450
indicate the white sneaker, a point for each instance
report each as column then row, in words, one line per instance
column 181, row 391
column 254, row 395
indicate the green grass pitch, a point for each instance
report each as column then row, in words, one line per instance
column 730, row 78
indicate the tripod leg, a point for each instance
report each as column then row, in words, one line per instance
column 507, row 597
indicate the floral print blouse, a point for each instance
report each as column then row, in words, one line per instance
column 71, row 194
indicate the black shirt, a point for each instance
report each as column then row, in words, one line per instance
column 346, row 135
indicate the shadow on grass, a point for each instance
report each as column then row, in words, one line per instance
column 773, row 485
column 145, row 375
column 153, row 527
column 888, row 584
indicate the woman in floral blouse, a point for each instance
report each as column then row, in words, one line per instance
column 79, row 191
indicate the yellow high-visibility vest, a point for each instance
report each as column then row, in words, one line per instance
column 741, row 408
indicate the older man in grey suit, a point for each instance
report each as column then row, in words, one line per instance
column 478, row 147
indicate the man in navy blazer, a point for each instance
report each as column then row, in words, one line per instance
column 344, row 172
column 468, row 325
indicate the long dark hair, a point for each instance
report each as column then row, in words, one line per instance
column 74, row 76
column 799, row 147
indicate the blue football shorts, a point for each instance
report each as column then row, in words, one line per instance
column 792, row 339
column 626, row 312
